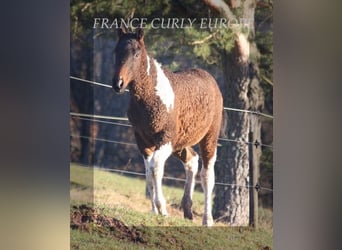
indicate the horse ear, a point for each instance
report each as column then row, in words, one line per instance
column 122, row 30
column 140, row 33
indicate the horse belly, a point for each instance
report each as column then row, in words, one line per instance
column 191, row 132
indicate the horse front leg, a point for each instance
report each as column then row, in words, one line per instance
column 149, row 182
column 148, row 156
column 191, row 168
column 155, row 174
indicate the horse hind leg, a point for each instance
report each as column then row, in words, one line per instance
column 189, row 159
column 208, row 152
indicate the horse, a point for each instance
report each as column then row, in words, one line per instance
column 170, row 112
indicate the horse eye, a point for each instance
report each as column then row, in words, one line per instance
column 137, row 54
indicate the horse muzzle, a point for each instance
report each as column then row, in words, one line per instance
column 118, row 85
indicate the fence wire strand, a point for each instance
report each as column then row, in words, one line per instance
column 105, row 122
column 104, row 140
column 177, row 179
column 225, row 108
column 99, row 116
column 81, row 116
column 249, row 111
column 91, row 82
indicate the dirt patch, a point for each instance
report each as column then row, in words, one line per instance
column 86, row 218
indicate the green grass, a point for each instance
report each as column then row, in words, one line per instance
column 123, row 198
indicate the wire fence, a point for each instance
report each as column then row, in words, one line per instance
column 88, row 116
column 103, row 118
column 106, row 122
column 257, row 187
column 225, row 108
column 104, row 140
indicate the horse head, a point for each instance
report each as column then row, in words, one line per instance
column 128, row 57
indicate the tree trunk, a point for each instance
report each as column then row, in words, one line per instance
column 231, row 203
column 83, row 95
column 242, row 91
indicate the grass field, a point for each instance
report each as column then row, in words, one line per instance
column 110, row 211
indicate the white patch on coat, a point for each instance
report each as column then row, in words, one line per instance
column 161, row 154
column 212, row 161
column 149, row 180
column 208, row 182
column 163, row 88
column 155, row 171
column 191, row 168
column 148, row 65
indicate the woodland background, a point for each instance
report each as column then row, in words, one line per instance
column 92, row 58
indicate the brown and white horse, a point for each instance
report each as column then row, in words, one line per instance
column 170, row 112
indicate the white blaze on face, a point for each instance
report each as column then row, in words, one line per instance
column 163, row 88
column 148, row 65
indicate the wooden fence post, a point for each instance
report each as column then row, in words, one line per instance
column 253, row 177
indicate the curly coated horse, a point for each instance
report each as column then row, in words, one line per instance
column 170, row 112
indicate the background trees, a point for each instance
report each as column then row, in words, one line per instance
column 239, row 58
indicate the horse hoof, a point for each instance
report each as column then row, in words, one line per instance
column 188, row 214
column 187, row 205
column 162, row 211
column 154, row 211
